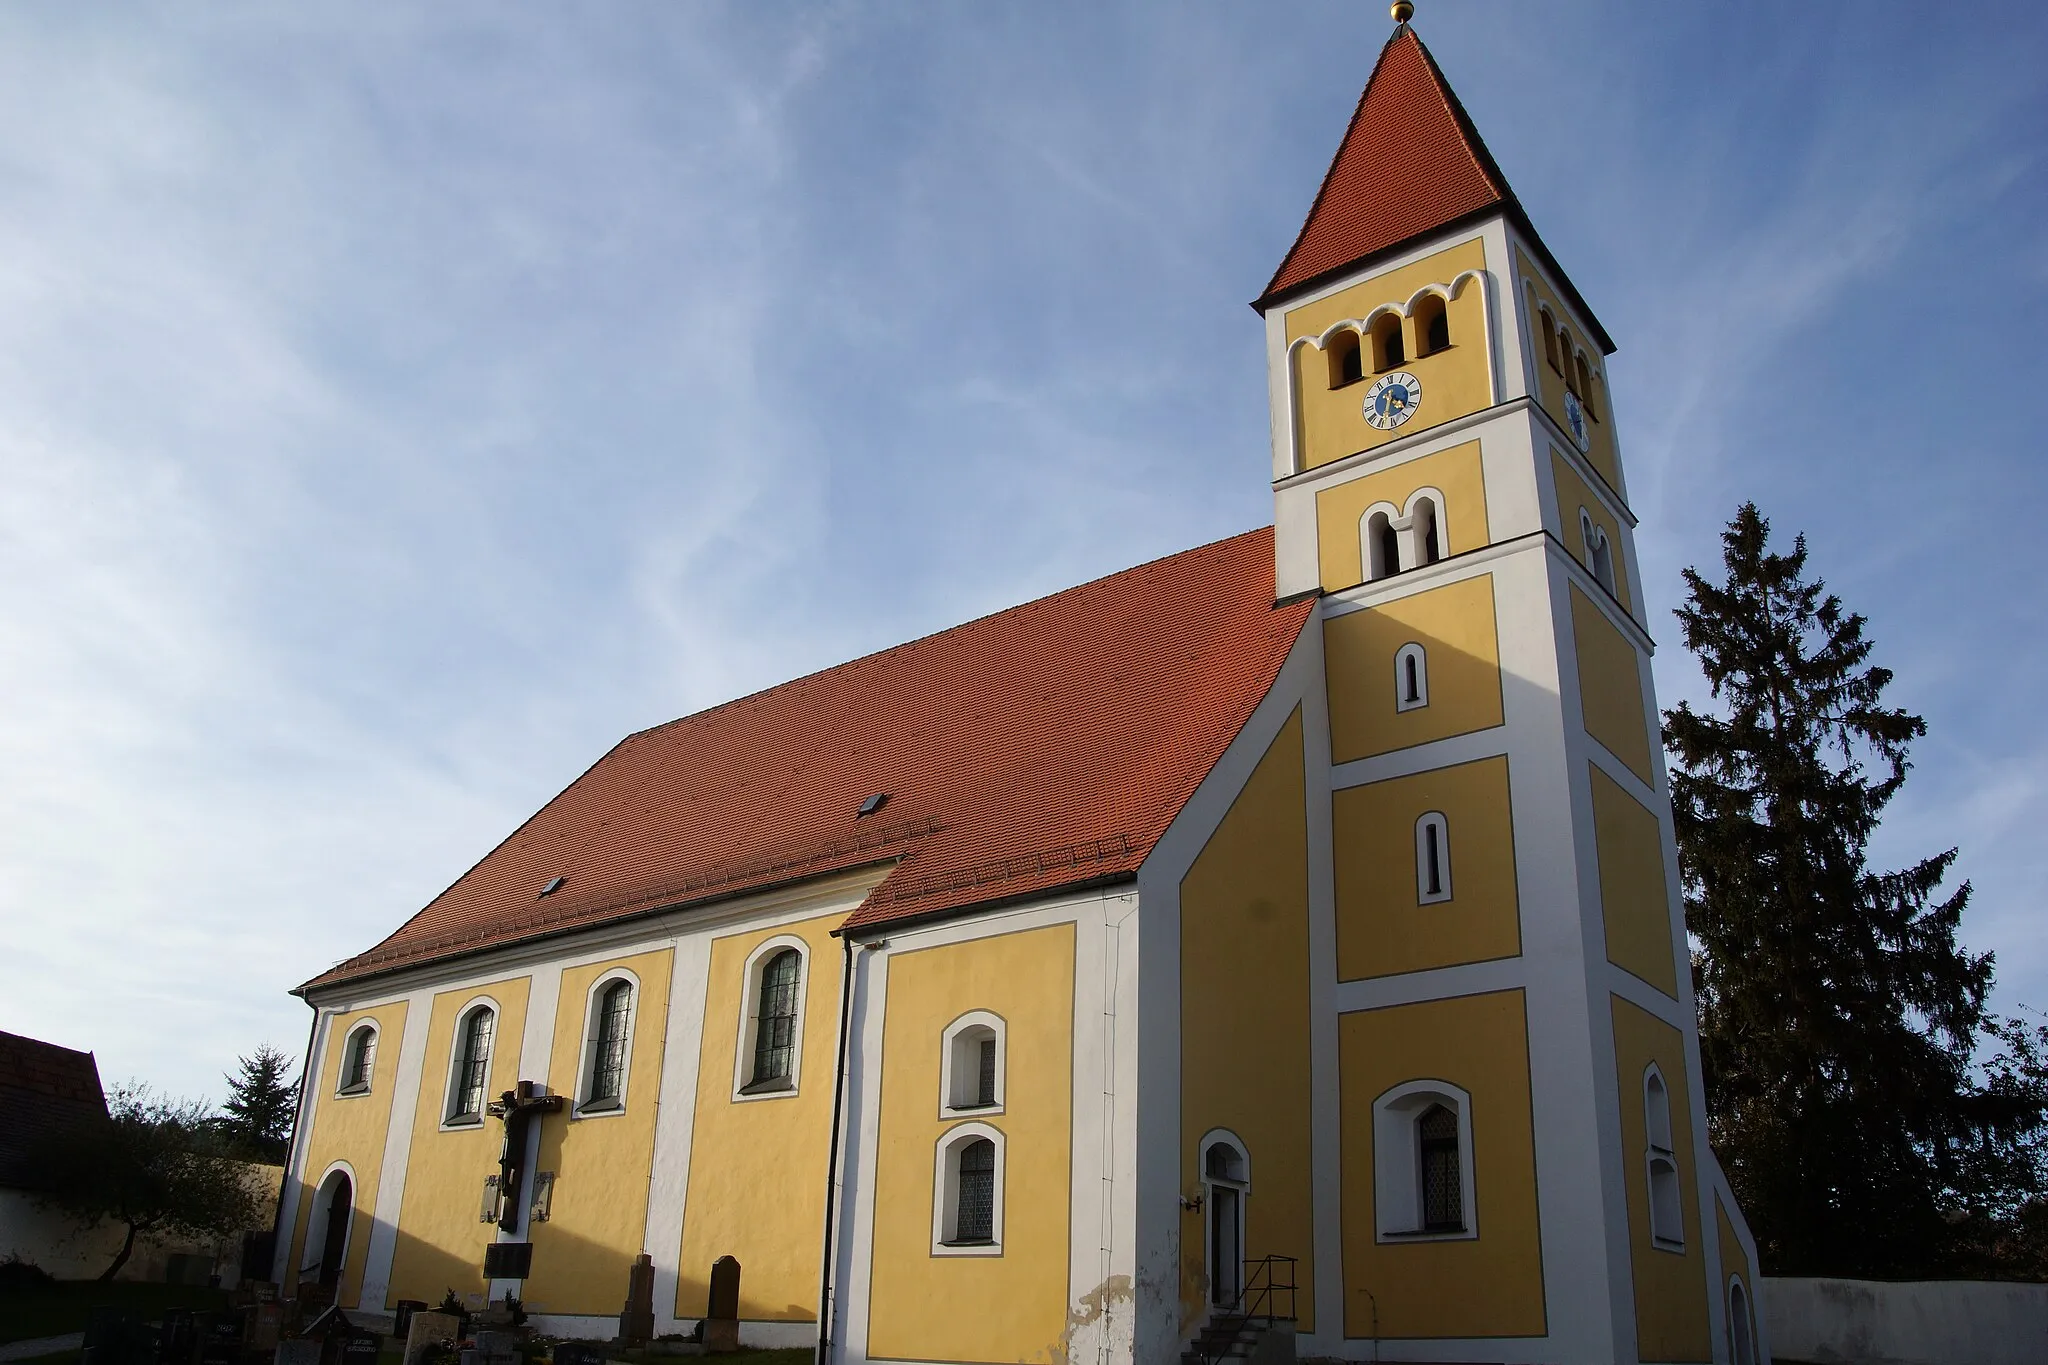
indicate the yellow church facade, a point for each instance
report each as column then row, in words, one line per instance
column 1288, row 927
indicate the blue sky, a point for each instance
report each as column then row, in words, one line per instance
column 399, row 406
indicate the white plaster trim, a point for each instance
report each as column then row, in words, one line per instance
column 1403, row 701
column 750, row 998
column 405, row 1096
column 675, row 1120
column 1432, row 820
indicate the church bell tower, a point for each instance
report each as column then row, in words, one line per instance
column 1449, row 484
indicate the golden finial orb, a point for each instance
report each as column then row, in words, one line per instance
column 1403, row 11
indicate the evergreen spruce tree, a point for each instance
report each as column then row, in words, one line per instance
column 257, row 1116
column 1839, row 1018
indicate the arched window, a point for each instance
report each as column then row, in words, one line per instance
column 971, row 1066
column 1585, row 383
column 775, row 1020
column 1226, row 1184
column 1549, row 338
column 1422, row 1159
column 1741, row 1336
column 471, row 1076
column 1667, row 1206
column 1432, row 325
column 1599, row 553
column 1347, row 362
column 328, row 1229
column 358, row 1059
column 1423, row 532
column 610, row 1031
column 1382, row 546
column 967, row 1203
column 1432, row 859
column 1387, row 348
column 1572, row 367
column 1411, row 678
column 1592, row 395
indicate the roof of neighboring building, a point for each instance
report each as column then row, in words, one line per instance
column 1043, row 747
column 1411, row 162
column 44, row 1088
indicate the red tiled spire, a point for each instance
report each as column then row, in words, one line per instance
column 1410, row 162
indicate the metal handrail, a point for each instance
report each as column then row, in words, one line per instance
column 1260, row 1293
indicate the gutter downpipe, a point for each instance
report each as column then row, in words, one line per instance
column 832, row 1159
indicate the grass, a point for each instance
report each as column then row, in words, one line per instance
column 54, row 1309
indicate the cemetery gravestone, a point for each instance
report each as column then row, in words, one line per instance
column 636, row 1321
column 428, row 1329
column 722, row 1314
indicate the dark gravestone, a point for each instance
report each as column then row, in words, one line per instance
column 220, row 1338
column 360, row 1348
column 106, row 1336
column 722, row 1314
column 178, row 1336
column 402, row 1311
column 508, row 1260
column 578, row 1353
column 636, row 1319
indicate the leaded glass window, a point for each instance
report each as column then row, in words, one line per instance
column 975, row 1220
column 1443, row 1187
column 473, row 1064
column 359, row 1058
column 775, row 1018
column 985, row 1080
column 608, row 1055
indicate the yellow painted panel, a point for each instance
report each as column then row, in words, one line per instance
column 598, row 1215
column 1634, row 897
column 757, row 1166
column 351, row 1128
column 1382, row 928
column 1455, row 473
column 1244, row 1017
column 1549, row 387
column 1007, row 1307
column 1574, row 496
column 1734, row 1261
column 1455, row 381
column 1461, row 653
column 1610, row 686
column 440, row 1240
column 1670, row 1286
column 1486, row 1286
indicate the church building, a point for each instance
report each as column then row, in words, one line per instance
column 1290, row 927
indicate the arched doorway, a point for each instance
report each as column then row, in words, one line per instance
column 1225, row 1172
column 327, row 1236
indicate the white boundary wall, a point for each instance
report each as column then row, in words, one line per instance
column 1871, row 1322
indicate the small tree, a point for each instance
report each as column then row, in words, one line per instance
column 256, row 1119
column 153, row 1165
column 1839, row 1019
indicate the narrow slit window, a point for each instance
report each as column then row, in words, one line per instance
column 1411, row 678
column 1432, row 859
column 1667, row 1207
column 985, row 1073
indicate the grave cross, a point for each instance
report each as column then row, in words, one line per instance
column 517, row 1107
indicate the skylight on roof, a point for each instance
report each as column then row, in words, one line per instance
column 873, row 804
column 554, row 885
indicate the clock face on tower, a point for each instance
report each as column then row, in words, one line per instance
column 1392, row 400
column 1575, row 418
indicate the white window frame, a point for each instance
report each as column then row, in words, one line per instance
column 316, row 1221
column 946, row 1189
column 952, row 1043
column 449, row 1123
column 750, row 997
column 1599, row 552
column 342, row 1089
column 1664, row 1235
column 1402, row 702
column 593, row 1004
column 1741, row 1323
column 1423, row 822
column 1410, row 528
column 1397, row 1161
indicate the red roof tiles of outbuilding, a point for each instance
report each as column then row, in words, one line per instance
column 1045, row 746
column 1410, row 163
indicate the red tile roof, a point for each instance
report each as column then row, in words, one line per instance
column 1410, row 162
column 1041, row 747
column 43, row 1089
